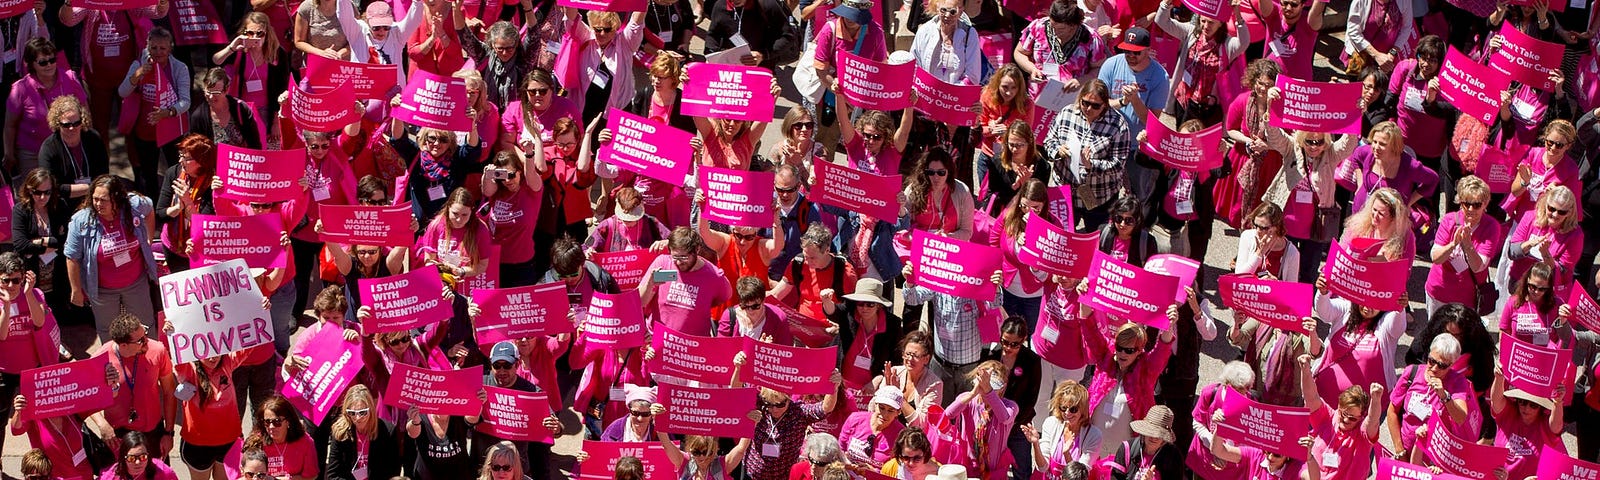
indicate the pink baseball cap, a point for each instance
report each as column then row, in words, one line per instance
column 379, row 14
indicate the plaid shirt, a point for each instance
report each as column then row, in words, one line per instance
column 788, row 432
column 1110, row 144
column 954, row 321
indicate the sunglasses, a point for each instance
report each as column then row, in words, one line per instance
column 71, row 124
column 255, row 475
column 363, row 253
column 400, row 341
column 317, row 146
column 1316, row 143
column 1087, row 105
column 1552, row 144
column 804, row 126
column 11, row 281
column 538, row 91
column 45, row 62
column 1072, row 409
column 565, row 276
column 42, row 193
column 435, row 139
column 500, row 467
column 139, row 342
column 1538, row 288
column 1557, row 211
column 136, row 457
column 1010, row 345
column 1125, row 219
column 909, row 459
column 787, row 190
column 1436, row 363
column 947, row 11
column 261, row 34
column 640, row 414
column 701, row 453
column 872, row 136
column 381, row 29
column 272, row 422
column 358, row 413
column 604, row 30
column 748, row 308
column 1127, row 350
column 502, row 365
column 784, row 404
column 1470, row 205
column 936, row 173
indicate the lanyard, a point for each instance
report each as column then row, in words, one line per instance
column 127, row 377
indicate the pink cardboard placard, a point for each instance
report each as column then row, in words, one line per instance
column 214, row 310
column 614, row 322
column 1526, row 59
column 945, row 102
column 113, row 5
column 717, row 412
column 1459, row 456
column 953, row 267
column 378, row 225
column 1378, row 285
column 857, row 191
column 1219, row 10
column 1128, row 292
column 435, row 392
column 1318, row 106
column 1051, row 249
column 403, row 301
column 67, row 388
column 334, row 364
column 791, row 370
column 708, row 360
column 1390, row 469
column 1584, row 309
column 434, row 101
column 1532, row 368
column 195, row 22
column 489, row 278
column 627, row 267
column 734, row 92
column 261, row 176
column 603, row 456
column 642, row 146
column 521, row 312
column 1191, row 152
column 516, row 415
column 739, row 198
column 1555, row 6
column 874, row 85
column 326, row 110
column 366, row 81
column 252, row 238
column 606, row 5
column 1276, row 303
column 12, row 8
column 1060, row 205
column 1180, row 267
column 1471, row 87
column 1271, row 428
column 1555, row 464
column 1498, row 167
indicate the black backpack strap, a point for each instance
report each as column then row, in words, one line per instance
column 838, row 275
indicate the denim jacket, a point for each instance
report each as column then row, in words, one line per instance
column 881, row 252
column 83, row 243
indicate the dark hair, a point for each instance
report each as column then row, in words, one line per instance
column 469, row 232
column 37, row 48
column 1380, row 78
column 918, row 186
column 684, row 239
column 566, row 256
column 1519, row 294
column 1075, row 471
column 131, row 439
column 1474, row 339
column 629, row 468
column 371, row 184
column 10, row 263
column 1066, row 11
column 918, row 337
column 159, row 32
column 278, row 405
column 1015, row 325
column 118, row 188
column 748, row 288
column 540, row 75
column 32, row 181
column 212, row 75
column 1095, row 87
column 1127, row 204
column 330, row 299
column 817, row 235
column 122, row 327
column 1431, row 48
column 912, row 438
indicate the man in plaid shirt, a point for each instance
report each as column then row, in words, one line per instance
column 1090, row 146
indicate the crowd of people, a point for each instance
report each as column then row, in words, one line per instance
column 525, row 197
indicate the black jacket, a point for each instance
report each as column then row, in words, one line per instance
column 1142, row 247
column 167, row 197
column 55, row 157
column 383, row 455
column 24, row 229
column 243, row 116
column 884, row 345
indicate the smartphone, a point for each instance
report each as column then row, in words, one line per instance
column 499, row 174
column 664, row 276
column 574, row 298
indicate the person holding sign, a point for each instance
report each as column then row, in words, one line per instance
column 1468, row 239
column 741, row 252
column 682, row 296
column 189, row 193
column 29, row 335
column 782, row 426
column 210, row 415
column 1534, row 313
column 108, row 45
column 1059, row 47
column 109, row 261
column 1237, row 379
column 701, row 461
column 629, row 227
column 1525, row 424
column 867, row 143
column 1432, row 389
column 1380, row 230
column 360, row 445
column 1343, row 433
column 1306, row 179
column 457, row 241
column 1089, row 146
column 145, row 402
column 438, row 164
column 1022, row 286
column 1544, row 167
column 1361, row 345
column 1129, row 370
column 1205, row 60
column 61, row 439
column 504, row 362
column 1263, row 464
column 356, row 262
column 511, row 193
column 1549, row 236
column 281, row 433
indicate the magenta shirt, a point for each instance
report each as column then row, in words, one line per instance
column 60, row 444
column 1524, row 441
column 19, row 347
column 121, row 261
column 511, row 118
column 829, row 45
column 1352, row 448
column 1292, row 46
column 163, row 472
column 32, row 102
column 1528, row 324
column 1543, row 177
column 860, row 445
column 297, row 458
column 434, row 239
column 1417, row 402
column 685, row 304
column 1445, row 282
column 1411, row 93
column 512, row 219
column 1566, row 248
column 885, row 162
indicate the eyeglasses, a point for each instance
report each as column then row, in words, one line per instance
column 261, row 34
column 1316, row 143
column 45, row 62
column 317, row 146
column 682, row 258
column 1556, row 211
column 70, row 125
column 1125, row 219
column 9, row 281
column 1088, row 105
column 43, row 192
column 500, row 467
column 255, row 475
column 911, row 459
column 1538, row 288
column 1437, row 363
column 947, row 11
column 702, row 453
column 565, row 276
column 1554, row 145
column 140, row 342
column 272, row 422
column 363, row 253
column 136, row 457
column 435, row 139
column 1127, row 350
column 804, row 126
column 783, row 404
column 502, row 365
column 911, row 356
column 751, row 307
column 936, row 173
column 604, row 30
column 358, row 412
column 400, row 341
column 639, row 413
column 872, row 136
column 1072, row 409
column 538, row 91
column 381, row 29
column 1006, row 344
column 1470, row 205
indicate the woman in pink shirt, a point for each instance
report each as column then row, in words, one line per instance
column 536, row 113
column 867, row 437
column 1344, row 433
column 1545, row 166
column 1467, row 240
column 983, row 418
column 868, row 142
column 513, row 208
column 138, row 462
column 29, row 103
column 456, row 241
column 1525, row 425
column 1432, row 389
column 280, row 432
column 1381, row 229
column 251, row 60
column 1534, row 313
column 1125, row 372
column 60, row 439
column 1548, row 235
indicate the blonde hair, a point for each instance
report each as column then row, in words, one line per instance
column 63, row 105
column 1562, row 194
column 1471, row 186
column 1563, row 128
column 666, row 65
column 345, row 430
column 1067, row 395
column 1360, row 224
column 504, row 451
column 598, row 17
column 1396, row 141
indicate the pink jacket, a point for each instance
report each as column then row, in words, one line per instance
column 1139, row 384
column 963, row 414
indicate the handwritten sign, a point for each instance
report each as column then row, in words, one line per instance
column 643, row 146
column 1054, row 250
column 791, row 370
column 614, row 322
column 1377, row 285
column 516, row 415
column 67, row 388
column 1191, row 152
column 857, row 191
column 874, row 85
column 717, row 412
column 435, row 392
column 434, row 101
column 626, row 267
column 334, row 364
column 1277, row 303
column 252, row 238
column 1272, row 428
column 734, row 92
column 260, row 176
column 214, row 310
column 1459, row 456
column 1532, row 368
column 377, row 225
column 953, row 267
column 945, row 102
column 366, row 81
column 738, row 197
column 521, row 312
column 708, row 360
column 1318, row 106
column 1128, row 292
column 603, row 456
column 403, row 301
column 1471, row 87
column 1526, row 59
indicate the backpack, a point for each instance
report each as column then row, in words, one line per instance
column 797, row 269
column 789, row 42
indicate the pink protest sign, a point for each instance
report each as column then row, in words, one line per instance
column 435, row 392
column 379, row 225
column 627, row 267
column 403, row 301
column 1526, row 59
column 1180, row 267
column 434, row 101
column 739, row 198
column 67, row 388
column 603, row 456
column 489, row 278
column 614, row 322
column 734, row 92
column 195, row 22
column 642, row 146
column 1060, row 205
column 1555, row 464
column 945, row 102
column 1390, row 469
column 516, row 415
column 606, row 5
column 1459, row 456
column 366, row 81
column 1029, row 9
column 1190, row 152
column 1219, row 10
column 113, row 5
column 329, row 109
column 708, row 360
column 1498, row 167
column 1471, row 87
column 857, row 191
column 1128, row 292
column 1584, row 309
column 1318, row 106
column 874, row 85
column 717, row 412
column 12, row 8
column 953, row 267
column 334, row 364
column 253, row 238
column 261, row 176
column 1377, row 285
column 1276, row 303
column 1532, row 368
column 214, row 310
column 1271, row 428
column 791, row 370
column 521, row 312
column 1053, row 250
column 1556, row 6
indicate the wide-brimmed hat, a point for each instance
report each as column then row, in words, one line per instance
column 870, row 290
column 950, row 472
column 1521, row 394
column 629, row 215
column 1157, row 423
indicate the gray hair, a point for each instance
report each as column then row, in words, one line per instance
column 822, row 448
column 1446, row 346
column 502, row 30
column 1238, row 375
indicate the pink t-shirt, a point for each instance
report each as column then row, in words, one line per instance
column 1255, row 461
column 885, row 162
column 1542, row 177
column 163, row 472
column 121, row 260
column 1529, row 324
column 61, row 444
column 1453, row 281
column 332, row 182
column 140, row 392
column 19, row 347
column 446, row 242
column 511, row 118
column 685, row 304
column 1412, row 93
column 829, row 45
column 1565, row 247
column 1525, row 441
column 1352, row 358
column 297, row 458
column 512, row 218
column 1340, row 455
column 1418, row 402
column 860, row 445
column 31, row 101
column 1292, row 46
